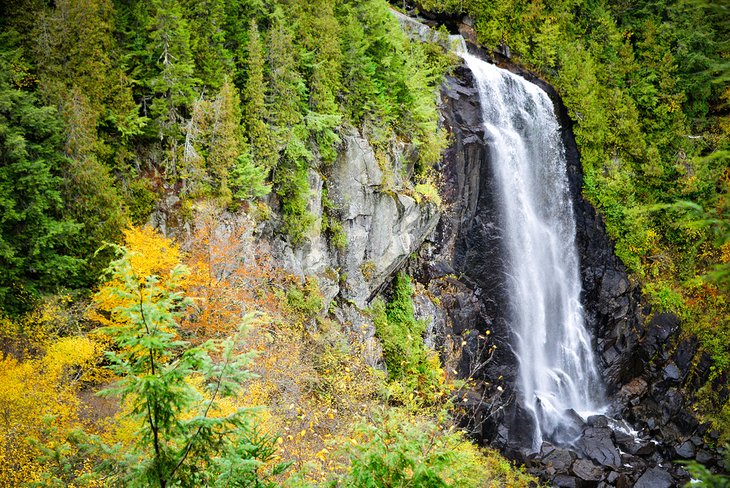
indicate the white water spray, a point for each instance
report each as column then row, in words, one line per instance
column 557, row 368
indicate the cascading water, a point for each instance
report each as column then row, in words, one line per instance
column 557, row 369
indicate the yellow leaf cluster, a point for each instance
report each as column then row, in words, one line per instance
column 38, row 400
column 149, row 254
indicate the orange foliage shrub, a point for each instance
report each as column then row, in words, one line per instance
column 311, row 376
column 230, row 276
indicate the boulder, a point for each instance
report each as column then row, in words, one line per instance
column 587, row 470
column 704, row 457
column 685, row 450
column 565, row 481
column 560, row 459
column 655, row 478
column 672, row 373
column 596, row 443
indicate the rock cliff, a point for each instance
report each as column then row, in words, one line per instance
column 643, row 363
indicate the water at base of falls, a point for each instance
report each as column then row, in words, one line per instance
column 557, row 374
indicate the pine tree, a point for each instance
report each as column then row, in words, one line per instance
column 255, row 111
column 172, row 87
column 35, row 255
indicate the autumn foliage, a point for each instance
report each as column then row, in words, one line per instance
column 291, row 401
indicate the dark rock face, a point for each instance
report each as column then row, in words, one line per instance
column 655, row 478
column 596, row 443
column 643, row 364
column 587, row 470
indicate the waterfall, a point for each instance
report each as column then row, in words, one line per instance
column 557, row 371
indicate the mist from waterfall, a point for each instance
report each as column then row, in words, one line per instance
column 557, row 368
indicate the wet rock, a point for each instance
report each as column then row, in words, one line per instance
column 560, row 459
column 684, row 354
column 643, row 448
column 686, row 423
column 598, row 421
column 686, row 450
column 636, row 388
column 661, row 326
column 672, row 373
column 521, row 426
column 669, row 434
column 655, row 478
column 565, row 481
column 587, row 470
column 568, row 430
column 671, row 404
column 633, row 445
column 596, row 444
column 611, row 355
column 633, row 463
column 546, row 449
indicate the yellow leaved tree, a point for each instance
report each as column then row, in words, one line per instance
column 38, row 400
column 149, row 253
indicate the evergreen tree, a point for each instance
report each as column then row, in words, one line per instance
column 358, row 67
column 182, row 436
column 226, row 138
column 35, row 256
column 238, row 17
column 75, row 53
column 172, row 87
column 286, row 94
column 76, row 57
column 255, row 111
column 286, row 105
column 321, row 63
column 248, row 180
column 206, row 19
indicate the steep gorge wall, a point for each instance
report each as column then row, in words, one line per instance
column 643, row 362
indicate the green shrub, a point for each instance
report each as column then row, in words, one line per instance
column 304, row 301
column 415, row 373
column 398, row 450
